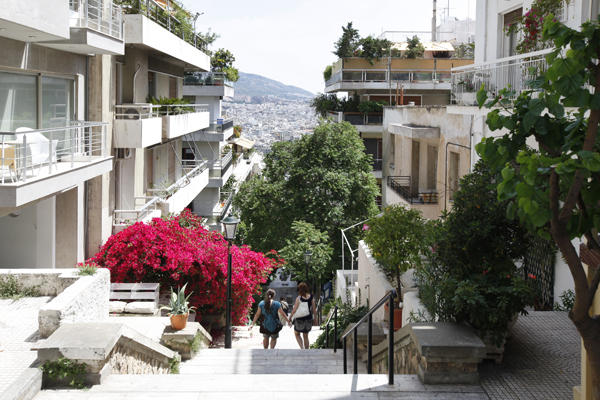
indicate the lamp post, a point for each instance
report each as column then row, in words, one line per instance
column 307, row 257
column 230, row 224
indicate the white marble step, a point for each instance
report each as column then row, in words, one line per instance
column 261, row 387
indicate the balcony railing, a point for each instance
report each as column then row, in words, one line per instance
column 226, row 199
column 148, row 206
column 136, row 111
column 29, row 153
column 191, row 169
column 401, row 185
column 104, row 17
column 511, row 72
column 394, row 75
column 164, row 17
column 207, row 79
column 358, row 118
column 222, row 164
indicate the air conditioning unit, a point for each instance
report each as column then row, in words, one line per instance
column 123, row 153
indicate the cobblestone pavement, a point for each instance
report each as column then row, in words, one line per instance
column 18, row 334
column 542, row 360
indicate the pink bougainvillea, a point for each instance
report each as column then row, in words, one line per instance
column 178, row 250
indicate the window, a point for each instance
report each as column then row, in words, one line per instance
column 510, row 41
column 57, row 101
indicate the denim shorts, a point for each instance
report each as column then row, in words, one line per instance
column 303, row 326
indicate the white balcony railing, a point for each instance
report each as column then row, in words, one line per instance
column 394, row 75
column 101, row 16
column 149, row 207
column 191, row 169
column 136, row 111
column 511, row 72
column 219, row 166
column 29, row 153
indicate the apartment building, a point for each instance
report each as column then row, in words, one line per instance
column 83, row 153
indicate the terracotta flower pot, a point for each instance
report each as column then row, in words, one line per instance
column 179, row 322
column 397, row 317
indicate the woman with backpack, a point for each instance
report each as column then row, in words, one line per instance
column 270, row 325
column 304, row 310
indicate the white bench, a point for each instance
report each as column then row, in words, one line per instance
column 142, row 297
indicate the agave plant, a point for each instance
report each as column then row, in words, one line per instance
column 178, row 305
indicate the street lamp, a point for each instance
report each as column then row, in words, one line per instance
column 307, row 257
column 195, row 35
column 230, row 224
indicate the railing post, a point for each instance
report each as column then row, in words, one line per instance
column 345, row 360
column 391, row 340
column 370, row 345
column 85, row 8
column 50, row 152
column 326, row 326
column 72, row 148
column 335, row 332
column 3, row 160
column 89, row 137
column 355, row 350
column 104, row 142
column 24, row 158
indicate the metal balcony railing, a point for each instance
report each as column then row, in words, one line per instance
column 394, row 75
column 358, row 118
column 207, row 79
column 102, row 16
column 191, row 169
column 511, row 72
column 147, row 110
column 402, row 186
column 226, row 199
column 220, row 125
column 165, row 18
column 219, row 167
column 127, row 217
column 28, row 153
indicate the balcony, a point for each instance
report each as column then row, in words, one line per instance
column 423, row 74
column 219, row 210
column 34, row 20
column 496, row 75
column 180, row 194
column 401, row 185
column 220, row 170
column 137, row 126
column 179, row 120
column 244, row 166
column 218, row 131
column 96, row 27
column 38, row 163
column 145, row 208
column 207, row 84
column 145, row 24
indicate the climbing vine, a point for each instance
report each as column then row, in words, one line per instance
column 66, row 368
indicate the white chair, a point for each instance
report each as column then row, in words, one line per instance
column 38, row 151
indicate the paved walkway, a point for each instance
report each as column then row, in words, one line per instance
column 542, row 360
column 18, row 334
column 244, row 339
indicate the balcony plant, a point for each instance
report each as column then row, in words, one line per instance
column 397, row 240
column 372, row 106
column 179, row 308
column 171, row 106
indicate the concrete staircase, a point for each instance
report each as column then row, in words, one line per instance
column 265, row 375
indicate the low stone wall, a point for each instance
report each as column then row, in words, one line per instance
column 85, row 300
column 106, row 348
column 412, row 304
column 49, row 282
column 438, row 352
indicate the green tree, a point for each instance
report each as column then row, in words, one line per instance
column 349, row 43
column 324, row 103
column 222, row 61
column 414, row 48
column 324, row 179
column 305, row 237
column 373, row 49
column 556, row 187
column 327, row 72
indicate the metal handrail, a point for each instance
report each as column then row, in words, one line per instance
column 334, row 315
column 140, row 213
column 369, row 317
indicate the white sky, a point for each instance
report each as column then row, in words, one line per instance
column 292, row 41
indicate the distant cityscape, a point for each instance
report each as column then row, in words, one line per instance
column 272, row 120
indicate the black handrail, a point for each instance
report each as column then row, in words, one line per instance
column 334, row 315
column 369, row 316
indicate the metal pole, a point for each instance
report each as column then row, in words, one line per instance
column 24, row 158
column 228, row 316
column 391, row 341
column 335, row 335
column 370, row 345
column 355, row 350
column 345, row 361
column 50, row 152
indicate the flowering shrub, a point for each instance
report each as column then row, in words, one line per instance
column 531, row 23
column 177, row 250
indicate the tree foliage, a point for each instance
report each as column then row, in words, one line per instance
column 374, row 48
column 305, row 237
column 414, row 48
column 222, row 61
column 556, row 187
column 324, row 179
column 347, row 45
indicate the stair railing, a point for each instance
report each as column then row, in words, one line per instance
column 369, row 317
column 334, row 314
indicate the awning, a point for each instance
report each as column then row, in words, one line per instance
column 429, row 46
column 243, row 142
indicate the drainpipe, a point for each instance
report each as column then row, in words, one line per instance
column 134, row 78
column 86, row 236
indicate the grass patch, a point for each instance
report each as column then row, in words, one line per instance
column 10, row 288
column 84, row 269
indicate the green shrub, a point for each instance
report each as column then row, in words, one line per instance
column 87, row 269
column 10, row 288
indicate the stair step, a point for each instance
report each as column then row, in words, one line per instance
column 265, row 386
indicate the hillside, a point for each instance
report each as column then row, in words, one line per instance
column 251, row 86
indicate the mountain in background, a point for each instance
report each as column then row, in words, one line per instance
column 257, row 89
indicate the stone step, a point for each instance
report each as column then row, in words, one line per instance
column 265, row 386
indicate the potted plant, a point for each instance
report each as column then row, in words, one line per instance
column 179, row 308
column 397, row 240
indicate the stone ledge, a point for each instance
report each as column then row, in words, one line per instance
column 26, row 387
